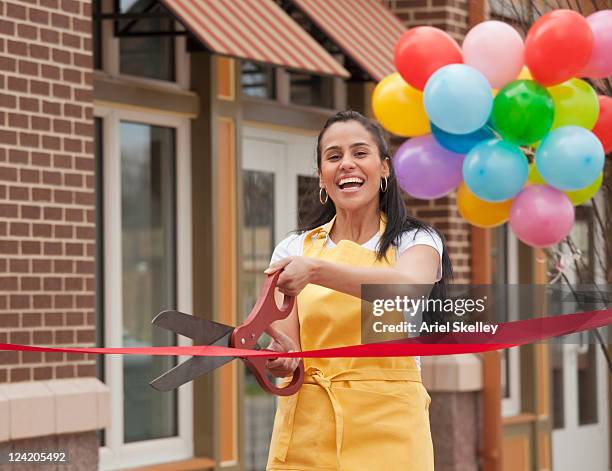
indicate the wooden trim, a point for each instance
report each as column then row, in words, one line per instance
column 523, row 418
column 226, row 73
column 195, row 464
column 481, row 267
column 225, row 222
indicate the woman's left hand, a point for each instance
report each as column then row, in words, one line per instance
column 297, row 273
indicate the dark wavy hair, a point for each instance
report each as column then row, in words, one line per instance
column 391, row 202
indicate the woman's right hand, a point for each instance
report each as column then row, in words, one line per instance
column 281, row 342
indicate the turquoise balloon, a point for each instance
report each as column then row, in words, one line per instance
column 570, row 158
column 495, row 170
column 458, row 99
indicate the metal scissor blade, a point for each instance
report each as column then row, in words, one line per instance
column 192, row 368
column 202, row 331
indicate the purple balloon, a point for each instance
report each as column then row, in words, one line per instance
column 425, row 169
column 541, row 215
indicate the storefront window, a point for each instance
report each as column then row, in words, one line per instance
column 258, row 80
column 311, row 90
column 152, row 55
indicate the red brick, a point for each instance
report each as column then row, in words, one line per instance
column 64, row 336
column 41, row 266
column 7, row 28
column 18, row 48
column 61, row 91
column 65, row 371
column 17, row 265
column 30, row 212
column 61, row 57
column 8, row 63
column 52, row 284
column 29, row 283
column 84, row 371
column 63, row 301
column 74, row 215
column 51, row 143
column 16, row 84
column 50, row 72
column 60, row 20
column 17, row 193
column 82, row 26
column 63, row 231
column 74, row 111
column 82, row 60
column 63, row 196
column 74, row 284
column 71, row 40
column 9, row 210
column 9, row 247
column 39, row 16
column 19, row 337
column 31, row 319
column 62, row 126
column 42, row 337
column 20, row 374
column 38, row 87
column 38, row 51
column 9, row 320
column 8, row 174
column 3, row 376
column 75, row 249
column 17, row 156
column 26, row 31
column 9, row 358
column 62, row 161
column 7, row 101
column 85, row 163
column 30, row 247
column 86, row 233
column 53, row 248
column 41, row 230
column 73, row 179
column 28, row 139
column 18, row 120
column 52, row 213
column 50, row 108
column 63, row 266
column 54, row 319
column 41, row 194
column 53, row 4
column 40, row 123
column 8, row 283
column 42, row 301
column 20, row 229
column 43, row 372
column 26, row 67
column 49, row 36
column 87, row 301
column 29, row 104
column 8, row 137
column 31, row 357
column 52, row 177
column 74, row 318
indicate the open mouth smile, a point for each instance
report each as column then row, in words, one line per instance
column 350, row 184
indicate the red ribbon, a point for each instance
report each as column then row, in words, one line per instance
column 508, row 334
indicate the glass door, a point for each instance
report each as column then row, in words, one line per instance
column 275, row 169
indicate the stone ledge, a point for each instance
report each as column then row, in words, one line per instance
column 452, row 373
column 39, row 408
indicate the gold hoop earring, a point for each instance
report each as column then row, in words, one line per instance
column 321, row 190
column 383, row 188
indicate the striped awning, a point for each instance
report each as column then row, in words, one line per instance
column 365, row 30
column 257, row 30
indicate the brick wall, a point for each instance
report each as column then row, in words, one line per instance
column 47, row 233
column 451, row 16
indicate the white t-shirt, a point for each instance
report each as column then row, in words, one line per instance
column 293, row 245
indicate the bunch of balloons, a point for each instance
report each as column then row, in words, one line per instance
column 506, row 122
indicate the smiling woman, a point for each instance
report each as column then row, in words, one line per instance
column 352, row 413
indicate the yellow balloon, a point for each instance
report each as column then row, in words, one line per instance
column 479, row 212
column 399, row 107
column 576, row 104
column 534, row 176
column 525, row 74
column 578, row 197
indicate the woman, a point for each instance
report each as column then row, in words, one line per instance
column 351, row 413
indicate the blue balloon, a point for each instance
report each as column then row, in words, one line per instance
column 495, row 170
column 461, row 143
column 570, row 158
column 458, row 99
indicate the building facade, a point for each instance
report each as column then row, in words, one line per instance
column 152, row 155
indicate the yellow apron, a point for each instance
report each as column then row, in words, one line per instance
column 351, row 414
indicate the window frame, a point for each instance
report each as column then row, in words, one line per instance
column 116, row 454
column 110, row 59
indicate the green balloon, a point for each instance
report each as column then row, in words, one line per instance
column 523, row 112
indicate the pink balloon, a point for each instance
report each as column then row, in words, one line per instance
column 427, row 170
column 495, row 49
column 541, row 215
column 600, row 63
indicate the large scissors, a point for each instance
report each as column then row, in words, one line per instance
column 205, row 332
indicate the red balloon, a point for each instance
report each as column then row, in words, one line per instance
column 558, row 46
column 603, row 126
column 423, row 50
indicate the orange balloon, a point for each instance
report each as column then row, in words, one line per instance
column 479, row 212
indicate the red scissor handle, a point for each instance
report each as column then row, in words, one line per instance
column 261, row 316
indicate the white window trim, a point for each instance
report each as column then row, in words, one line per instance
column 512, row 405
column 110, row 58
column 116, row 454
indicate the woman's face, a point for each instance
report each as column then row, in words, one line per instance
column 351, row 168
